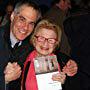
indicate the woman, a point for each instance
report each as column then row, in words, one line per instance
column 45, row 39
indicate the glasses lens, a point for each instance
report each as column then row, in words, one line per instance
column 42, row 39
column 51, row 40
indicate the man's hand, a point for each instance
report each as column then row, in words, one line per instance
column 70, row 68
column 12, row 72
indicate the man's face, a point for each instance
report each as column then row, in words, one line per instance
column 9, row 9
column 22, row 24
column 65, row 4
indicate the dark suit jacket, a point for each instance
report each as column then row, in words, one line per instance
column 8, row 55
column 77, row 28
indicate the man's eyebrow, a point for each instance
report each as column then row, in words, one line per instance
column 22, row 17
column 30, row 22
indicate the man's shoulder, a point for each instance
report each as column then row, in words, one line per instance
column 26, row 45
column 1, row 31
column 4, row 28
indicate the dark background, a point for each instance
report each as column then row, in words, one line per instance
column 3, row 3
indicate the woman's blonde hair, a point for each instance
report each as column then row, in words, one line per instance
column 48, row 25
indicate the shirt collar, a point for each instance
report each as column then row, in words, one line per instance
column 14, row 40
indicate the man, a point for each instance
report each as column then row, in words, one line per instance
column 23, row 20
column 57, row 14
column 6, row 16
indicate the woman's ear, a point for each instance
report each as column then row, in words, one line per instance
column 33, row 42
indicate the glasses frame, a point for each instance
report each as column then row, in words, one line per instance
column 23, row 20
column 43, row 39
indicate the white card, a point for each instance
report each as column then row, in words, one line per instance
column 45, row 67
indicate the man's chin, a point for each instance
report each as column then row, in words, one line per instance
column 21, row 38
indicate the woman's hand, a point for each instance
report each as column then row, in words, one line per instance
column 59, row 77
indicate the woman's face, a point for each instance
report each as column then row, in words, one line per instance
column 45, row 41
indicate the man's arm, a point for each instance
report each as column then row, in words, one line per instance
column 2, row 80
column 67, row 64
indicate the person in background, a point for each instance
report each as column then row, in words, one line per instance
column 57, row 15
column 0, row 17
column 77, row 29
column 45, row 39
column 14, row 43
column 6, row 17
column 44, row 8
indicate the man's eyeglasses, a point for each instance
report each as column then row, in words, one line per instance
column 43, row 39
column 23, row 20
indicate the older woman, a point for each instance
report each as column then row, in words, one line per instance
column 45, row 39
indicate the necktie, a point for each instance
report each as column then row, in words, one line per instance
column 14, row 53
column 16, row 46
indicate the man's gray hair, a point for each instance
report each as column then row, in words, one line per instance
column 28, row 3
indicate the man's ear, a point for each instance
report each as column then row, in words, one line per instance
column 12, row 16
